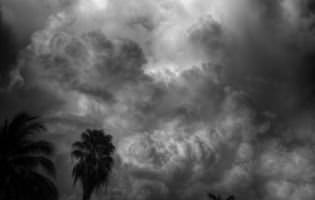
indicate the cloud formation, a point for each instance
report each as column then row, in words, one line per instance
column 199, row 95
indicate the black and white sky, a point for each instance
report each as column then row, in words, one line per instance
column 199, row 95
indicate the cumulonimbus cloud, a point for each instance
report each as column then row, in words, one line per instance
column 196, row 93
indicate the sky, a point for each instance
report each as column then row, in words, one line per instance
column 199, row 95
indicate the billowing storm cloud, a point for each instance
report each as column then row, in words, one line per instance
column 200, row 96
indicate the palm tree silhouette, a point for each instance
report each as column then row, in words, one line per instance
column 94, row 160
column 218, row 197
column 25, row 167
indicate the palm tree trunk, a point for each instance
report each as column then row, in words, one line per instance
column 87, row 194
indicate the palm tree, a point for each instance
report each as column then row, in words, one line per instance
column 218, row 197
column 94, row 160
column 25, row 167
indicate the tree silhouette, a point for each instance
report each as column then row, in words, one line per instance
column 94, row 160
column 25, row 168
column 218, row 197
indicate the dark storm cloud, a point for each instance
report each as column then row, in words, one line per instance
column 267, row 59
column 199, row 95
column 19, row 20
column 8, row 50
column 26, row 17
column 40, row 102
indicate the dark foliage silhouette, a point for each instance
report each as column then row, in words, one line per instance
column 218, row 197
column 94, row 160
column 25, row 167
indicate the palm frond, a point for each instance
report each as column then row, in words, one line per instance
column 20, row 121
column 23, row 159
column 213, row 196
column 33, row 162
column 78, row 172
column 24, row 125
column 94, row 153
column 4, row 128
column 78, row 154
column 105, row 148
column 79, row 145
column 34, row 127
column 230, row 198
column 86, row 136
column 42, row 186
column 37, row 147
column 107, row 163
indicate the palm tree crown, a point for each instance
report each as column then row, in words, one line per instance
column 25, row 169
column 94, row 160
column 218, row 197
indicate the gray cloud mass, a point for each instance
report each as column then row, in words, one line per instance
column 199, row 95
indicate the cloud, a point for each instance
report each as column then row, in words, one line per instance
column 208, row 156
column 199, row 95
column 289, row 173
column 8, row 52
